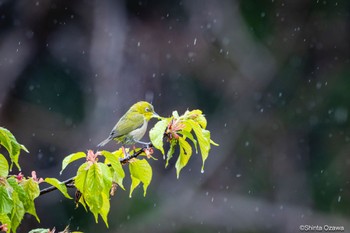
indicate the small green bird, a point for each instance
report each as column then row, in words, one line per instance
column 132, row 125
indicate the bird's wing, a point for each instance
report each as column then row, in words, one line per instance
column 127, row 124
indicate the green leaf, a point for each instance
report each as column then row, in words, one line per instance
column 214, row 143
column 80, row 179
column 116, row 166
column 203, row 137
column 140, row 171
column 134, row 183
column 5, row 139
column 59, row 185
column 175, row 114
column 31, row 188
column 156, row 134
column 17, row 212
column 8, row 140
column 71, row 158
column 188, row 135
column 6, row 203
column 5, row 219
column 185, row 154
column 105, row 208
column 107, row 178
column 119, row 153
column 171, row 151
column 20, row 191
column 198, row 117
column 94, row 181
column 4, row 166
column 24, row 148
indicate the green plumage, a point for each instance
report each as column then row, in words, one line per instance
column 132, row 125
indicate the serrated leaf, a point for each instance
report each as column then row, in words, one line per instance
column 116, row 166
column 17, row 211
column 4, row 166
column 80, row 179
column 31, row 188
column 59, row 185
column 15, row 155
column 71, row 158
column 119, row 153
column 171, row 151
column 156, row 134
column 18, row 188
column 203, row 137
column 201, row 120
column 107, row 178
column 105, row 208
column 140, row 171
column 134, row 183
column 188, row 135
column 93, row 187
column 6, row 203
column 185, row 154
column 5, row 139
column 8, row 140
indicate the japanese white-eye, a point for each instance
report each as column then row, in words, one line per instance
column 132, row 125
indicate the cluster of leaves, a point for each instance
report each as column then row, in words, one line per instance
column 98, row 177
column 179, row 128
column 17, row 192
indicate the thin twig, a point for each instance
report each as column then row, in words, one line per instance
column 69, row 183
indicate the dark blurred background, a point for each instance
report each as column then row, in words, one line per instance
column 271, row 76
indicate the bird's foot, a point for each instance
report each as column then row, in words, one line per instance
column 147, row 144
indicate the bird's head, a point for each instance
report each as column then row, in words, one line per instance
column 144, row 108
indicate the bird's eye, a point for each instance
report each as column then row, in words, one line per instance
column 147, row 109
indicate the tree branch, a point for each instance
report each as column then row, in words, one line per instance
column 69, row 183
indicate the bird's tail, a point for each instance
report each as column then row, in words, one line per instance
column 104, row 142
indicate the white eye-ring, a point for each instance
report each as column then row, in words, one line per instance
column 147, row 109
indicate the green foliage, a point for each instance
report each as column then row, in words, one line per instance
column 4, row 166
column 94, row 181
column 101, row 172
column 157, row 132
column 17, row 193
column 71, row 158
column 59, row 185
column 140, row 171
column 9, row 141
column 117, row 169
column 177, row 130
column 17, row 196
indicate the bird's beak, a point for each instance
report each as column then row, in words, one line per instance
column 155, row 115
